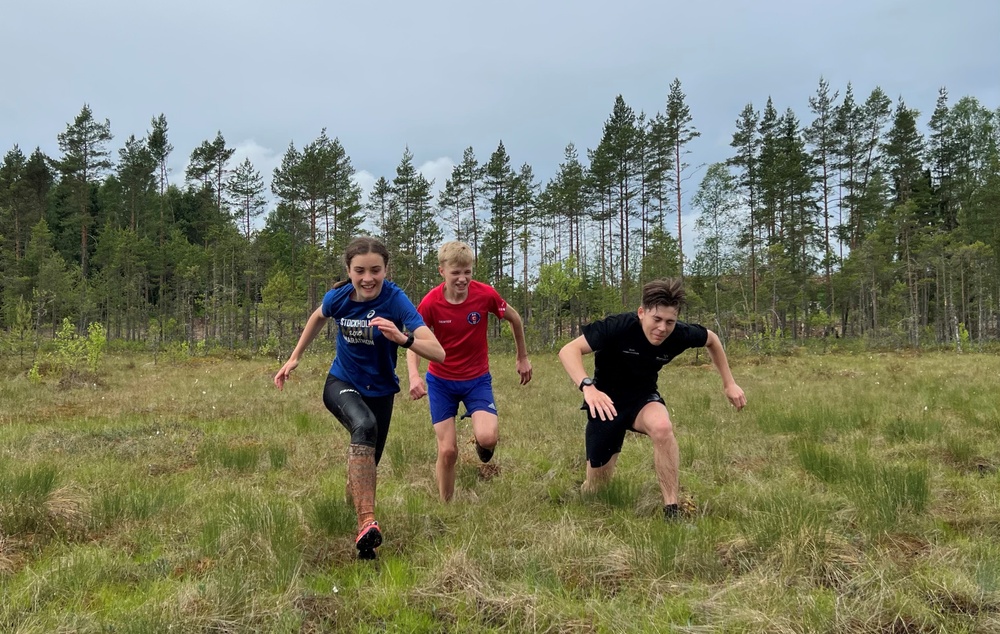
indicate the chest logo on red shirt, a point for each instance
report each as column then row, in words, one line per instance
column 474, row 318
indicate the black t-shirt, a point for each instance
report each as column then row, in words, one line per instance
column 626, row 365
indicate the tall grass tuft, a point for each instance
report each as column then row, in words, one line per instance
column 277, row 455
column 331, row 515
column 304, row 423
column 133, row 501
column 826, row 465
column 241, row 457
column 24, row 496
column 879, row 492
column 901, row 429
column 265, row 531
column 618, row 493
column 395, row 450
column 961, row 450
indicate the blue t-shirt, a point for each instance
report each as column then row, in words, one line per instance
column 365, row 357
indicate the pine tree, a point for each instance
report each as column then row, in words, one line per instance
column 83, row 163
column 849, row 156
column 24, row 185
column 449, row 204
column 659, row 168
column 246, row 196
column 380, row 203
column 136, row 174
column 498, row 180
column 209, row 165
column 524, row 199
column 616, row 157
column 821, row 134
column 345, row 206
column 569, row 203
column 680, row 132
column 746, row 142
column 160, row 149
column 468, row 179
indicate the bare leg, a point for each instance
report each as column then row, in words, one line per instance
column 598, row 477
column 654, row 421
column 486, row 429
column 447, row 456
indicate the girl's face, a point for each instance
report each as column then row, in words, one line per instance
column 367, row 272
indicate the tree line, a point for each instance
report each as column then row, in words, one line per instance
column 855, row 223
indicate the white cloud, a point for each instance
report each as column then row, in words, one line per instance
column 365, row 180
column 437, row 171
column 264, row 159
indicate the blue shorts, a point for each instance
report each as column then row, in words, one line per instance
column 445, row 395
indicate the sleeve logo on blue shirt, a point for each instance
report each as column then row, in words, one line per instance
column 474, row 318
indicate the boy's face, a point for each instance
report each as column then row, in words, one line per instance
column 658, row 322
column 456, row 278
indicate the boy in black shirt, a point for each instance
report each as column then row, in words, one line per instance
column 630, row 349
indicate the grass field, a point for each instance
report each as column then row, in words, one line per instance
column 855, row 493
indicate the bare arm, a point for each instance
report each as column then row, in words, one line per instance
column 571, row 355
column 517, row 326
column 426, row 345
column 417, row 387
column 424, row 342
column 718, row 356
column 315, row 323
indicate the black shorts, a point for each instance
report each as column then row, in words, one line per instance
column 606, row 437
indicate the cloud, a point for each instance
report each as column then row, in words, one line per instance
column 438, row 171
column 264, row 160
column 365, row 180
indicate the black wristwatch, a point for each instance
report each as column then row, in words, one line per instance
column 408, row 342
column 585, row 382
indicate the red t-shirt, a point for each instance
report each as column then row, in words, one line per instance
column 461, row 330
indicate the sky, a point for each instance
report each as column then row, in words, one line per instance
column 439, row 76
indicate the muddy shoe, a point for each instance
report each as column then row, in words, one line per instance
column 485, row 455
column 672, row 512
column 369, row 538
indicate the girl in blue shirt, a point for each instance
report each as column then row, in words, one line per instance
column 373, row 319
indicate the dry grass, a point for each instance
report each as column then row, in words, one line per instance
column 856, row 493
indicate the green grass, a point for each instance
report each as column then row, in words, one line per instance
column 855, row 493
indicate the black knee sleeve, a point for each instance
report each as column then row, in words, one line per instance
column 347, row 405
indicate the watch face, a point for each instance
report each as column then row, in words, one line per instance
column 587, row 381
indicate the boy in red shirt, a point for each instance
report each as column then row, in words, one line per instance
column 457, row 312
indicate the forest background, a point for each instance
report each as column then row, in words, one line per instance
column 859, row 218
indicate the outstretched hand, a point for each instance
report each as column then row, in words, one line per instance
column 736, row 396
column 284, row 372
column 524, row 370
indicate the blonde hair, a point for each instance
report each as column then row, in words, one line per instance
column 456, row 253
